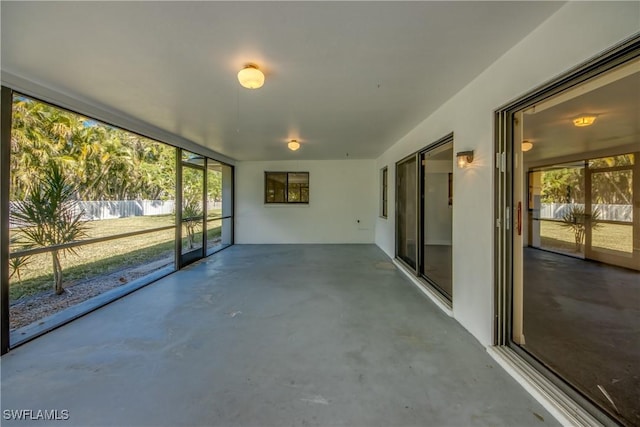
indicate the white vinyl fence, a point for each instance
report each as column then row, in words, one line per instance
column 104, row 209
column 623, row 213
column 97, row 210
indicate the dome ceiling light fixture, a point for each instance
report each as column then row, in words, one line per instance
column 584, row 120
column 251, row 77
column 293, row 145
column 527, row 145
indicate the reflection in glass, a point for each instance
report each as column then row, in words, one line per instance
column 558, row 215
column 407, row 195
column 438, row 189
column 286, row 187
column 276, row 183
column 580, row 313
column 611, row 210
column 297, row 187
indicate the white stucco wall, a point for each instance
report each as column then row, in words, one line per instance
column 341, row 192
column 577, row 32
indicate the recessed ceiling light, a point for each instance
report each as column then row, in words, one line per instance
column 527, row 145
column 586, row 120
column 293, row 145
column 251, row 77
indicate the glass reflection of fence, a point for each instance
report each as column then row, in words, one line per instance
column 619, row 213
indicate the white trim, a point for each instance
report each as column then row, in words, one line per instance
column 106, row 114
column 431, row 294
column 555, row 401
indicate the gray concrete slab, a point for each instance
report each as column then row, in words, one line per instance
column 269, row 335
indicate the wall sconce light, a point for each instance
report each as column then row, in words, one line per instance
column 293, row 145
column 251, row 77
column 527, row 145
column 464, row 158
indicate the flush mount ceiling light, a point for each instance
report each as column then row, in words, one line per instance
column 251, row 77
column 464, row 158
column 584, row 120
column 527, row 145
column 293, row 145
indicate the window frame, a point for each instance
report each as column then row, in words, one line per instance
column 286, row 188
column 384, row 192
column 9, row 340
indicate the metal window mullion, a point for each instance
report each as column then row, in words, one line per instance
column 5, row 178
column 609, row 169
column 205, row 207
column 36, row 251
column 178, row 245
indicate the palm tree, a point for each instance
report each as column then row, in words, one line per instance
column 105, row 163
column 577, row 221
column 192, row 219
column 48, row 216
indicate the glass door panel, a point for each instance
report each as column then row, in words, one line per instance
column 556, row 201
column 192, row 230
column 219, row 205
column 407, row 196
column 437, row 210
column 609, row 216
column 579, row 188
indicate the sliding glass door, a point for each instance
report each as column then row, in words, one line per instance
column 407, row 211
column 192, row 208
column 437, row 216
column 424, row 206
column 609, row 205
column 570, row 236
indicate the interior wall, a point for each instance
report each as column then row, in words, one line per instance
column 577, row 32
column 438, row 218
column 437, row 211
column 341, row 193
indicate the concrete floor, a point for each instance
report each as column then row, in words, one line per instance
column 287, row 335
column 582, row 319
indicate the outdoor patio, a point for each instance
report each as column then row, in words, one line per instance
column 269, row 335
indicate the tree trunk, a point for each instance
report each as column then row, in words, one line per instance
column 190, row 235
column 579, row 235
column 57, row 273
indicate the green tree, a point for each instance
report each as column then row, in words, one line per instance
column 565, row 185
column 48, row 217
column 39, row 137
column 192, row 186
column 105, row 163
column 192, row 219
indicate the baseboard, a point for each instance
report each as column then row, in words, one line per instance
column 433, row 295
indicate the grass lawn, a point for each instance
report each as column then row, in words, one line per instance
column 615, row 237
column 105, row 257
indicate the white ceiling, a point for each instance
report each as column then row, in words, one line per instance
column 613, row 98
column 341, row 77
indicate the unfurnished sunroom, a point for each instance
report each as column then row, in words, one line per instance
column 289, row 172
